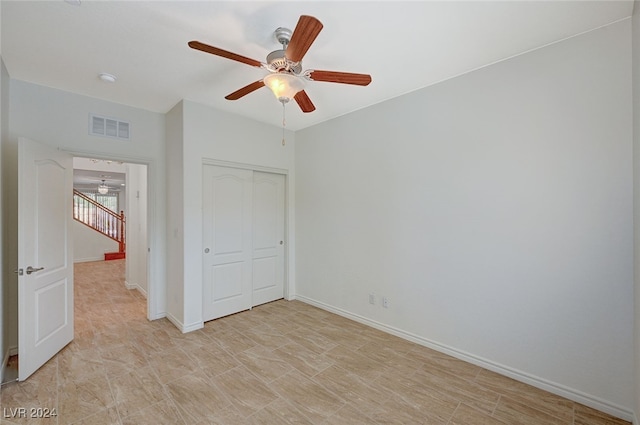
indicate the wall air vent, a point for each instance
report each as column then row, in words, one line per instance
column 108, row 127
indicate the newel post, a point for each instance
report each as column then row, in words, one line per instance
column 122, row 230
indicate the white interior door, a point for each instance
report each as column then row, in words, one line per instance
column 268, row 237
column 45, row 257
column 227, row 197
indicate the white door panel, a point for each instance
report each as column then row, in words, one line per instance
column 265, row 273
column 227, row 194
column 45, row 297
column 268, row 237
column 229, row 281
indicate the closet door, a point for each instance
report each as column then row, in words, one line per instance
column 268, row 237
column 227, row 239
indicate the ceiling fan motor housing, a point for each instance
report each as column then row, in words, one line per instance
column 278, row 62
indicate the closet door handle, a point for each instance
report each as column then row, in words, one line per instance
column 33, row 270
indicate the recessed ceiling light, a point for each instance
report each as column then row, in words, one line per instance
column 107, row 78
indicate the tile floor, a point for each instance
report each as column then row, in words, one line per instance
column 280, row 363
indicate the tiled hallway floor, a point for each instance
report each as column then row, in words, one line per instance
column 280, row 363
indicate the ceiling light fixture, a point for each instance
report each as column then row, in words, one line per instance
column 103, row 189
column 284, row 87
column 107, row 78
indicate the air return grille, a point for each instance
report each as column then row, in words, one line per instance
column 108, row 127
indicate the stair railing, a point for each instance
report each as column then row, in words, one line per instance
column 101, row 219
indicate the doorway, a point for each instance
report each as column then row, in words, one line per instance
column 53, row 193
column 120, row 187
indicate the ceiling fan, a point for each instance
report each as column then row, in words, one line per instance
column 286, row 78
column 102, row 186
column 103, row 189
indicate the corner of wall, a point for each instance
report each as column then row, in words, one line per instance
column 7, row 308
column 174, row 133
column 2, row 132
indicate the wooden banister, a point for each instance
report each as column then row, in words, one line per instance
column 101, row 219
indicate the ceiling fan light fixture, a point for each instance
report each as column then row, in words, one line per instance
column 103, row 189
column 284, row 86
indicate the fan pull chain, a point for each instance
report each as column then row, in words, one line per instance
column 284, row 123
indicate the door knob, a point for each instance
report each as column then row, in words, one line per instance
column 32, row 270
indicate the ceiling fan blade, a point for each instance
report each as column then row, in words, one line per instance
column 303, row 36
column 340, row 77
column 304, row 102
column 223, row 53
column 245, row 90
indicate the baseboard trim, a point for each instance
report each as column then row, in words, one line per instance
column 136, row 287
column 177, row 323
column 141, row 290
column 563, row 391
column 192, row 327
column 182, row 327
column 88, row 259
column 156, row 316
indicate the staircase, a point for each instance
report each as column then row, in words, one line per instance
column 102, row 220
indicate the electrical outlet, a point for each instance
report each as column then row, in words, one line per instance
column 372, row 298
column 385, row 302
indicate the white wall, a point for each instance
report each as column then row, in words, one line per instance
column 60, row 119
column 175, row 215
column 10, row 228
column 3, row 110
column 3, row 96
column 9, row 290
column 136, row 229
column 4, row 134
column 494, row 210
column 636, row 198
column 210, row 134
column 89, row 245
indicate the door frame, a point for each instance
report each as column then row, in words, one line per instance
column 288, row 292
column 153, row 312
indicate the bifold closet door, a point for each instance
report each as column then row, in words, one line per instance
column 227, row 234
column 243, row 239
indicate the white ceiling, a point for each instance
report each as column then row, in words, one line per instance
column 91, row 179
column 89, row 173
column 405, row 46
